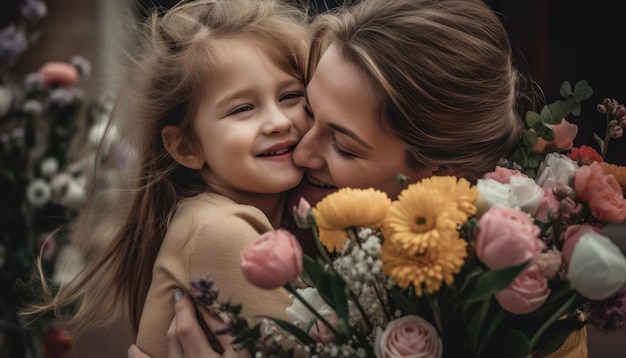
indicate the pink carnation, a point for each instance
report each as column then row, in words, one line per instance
column 503, row 175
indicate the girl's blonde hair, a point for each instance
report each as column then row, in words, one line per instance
column 177, row 53
column 443, row 71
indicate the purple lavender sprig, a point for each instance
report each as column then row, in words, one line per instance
column 245, row 337
column 204, row 291
column 608, row 314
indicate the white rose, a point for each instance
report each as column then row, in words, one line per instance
column 299, row 314
column 556, row 169
column 527, row 192
column 492, row 192
column 597, row 268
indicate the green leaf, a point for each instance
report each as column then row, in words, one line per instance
column 582, row 91
column 532, row 118
column 493, row 281
column 311, row 271
column 508, row 343
column 544, row 131
column 402, row 302
column 566, row 89
column 575, row 110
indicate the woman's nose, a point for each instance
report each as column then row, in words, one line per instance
column 307, row 153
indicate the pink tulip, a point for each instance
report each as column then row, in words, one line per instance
column 59, row 73
column 272, row 260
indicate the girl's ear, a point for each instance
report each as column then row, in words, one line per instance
column 179, row 149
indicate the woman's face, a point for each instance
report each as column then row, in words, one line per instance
column 346, row 146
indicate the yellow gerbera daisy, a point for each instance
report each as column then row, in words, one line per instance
column 424, row 271
column 418, row 219
column 427, row 211
column 348, row 208
column 458, row 190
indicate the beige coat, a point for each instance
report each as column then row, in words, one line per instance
column 204, row 240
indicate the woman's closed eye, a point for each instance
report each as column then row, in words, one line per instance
column 341, row 152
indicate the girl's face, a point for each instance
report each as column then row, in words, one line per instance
column 248, row 124
column 346, row 145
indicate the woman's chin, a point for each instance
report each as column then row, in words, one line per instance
column 309, row 192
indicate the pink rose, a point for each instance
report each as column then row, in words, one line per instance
column 548, row 208
column 507, row 237
column 59, row 73
column 503, row 175
column 564, row 134
column 408, row 336
column 601, row 192
column 272, row 260
column 320, row 332
column 526, row 293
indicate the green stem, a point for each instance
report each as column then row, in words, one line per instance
column 320, row 248
column 607, row 137
column 294, row 292
column 569, row 305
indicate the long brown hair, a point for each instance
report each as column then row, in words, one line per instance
column 443, row 71
column 171, row 64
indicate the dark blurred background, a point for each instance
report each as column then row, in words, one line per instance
column 556, row 40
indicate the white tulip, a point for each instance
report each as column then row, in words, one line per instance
column 597, row 268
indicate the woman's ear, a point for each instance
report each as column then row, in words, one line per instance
column 180, row 150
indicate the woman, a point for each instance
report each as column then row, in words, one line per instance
column 413, row 87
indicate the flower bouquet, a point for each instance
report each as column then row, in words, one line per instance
column 510, row 266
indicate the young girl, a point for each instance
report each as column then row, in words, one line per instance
column 216, row 110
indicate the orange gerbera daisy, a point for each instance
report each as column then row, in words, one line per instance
column 348, row 208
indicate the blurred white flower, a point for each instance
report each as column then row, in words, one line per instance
column 299, row 314
column 97, row 132
column 49, row 167
column 38, row 193
column 69, row 264
column 73, row 196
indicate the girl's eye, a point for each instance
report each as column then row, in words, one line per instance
column 240, row 109
column 341, row 152
column 291, row 95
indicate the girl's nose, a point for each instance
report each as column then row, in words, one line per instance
column 277, row 122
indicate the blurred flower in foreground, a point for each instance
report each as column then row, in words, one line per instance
column 347, row 208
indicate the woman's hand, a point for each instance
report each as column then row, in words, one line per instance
column 186, row 338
